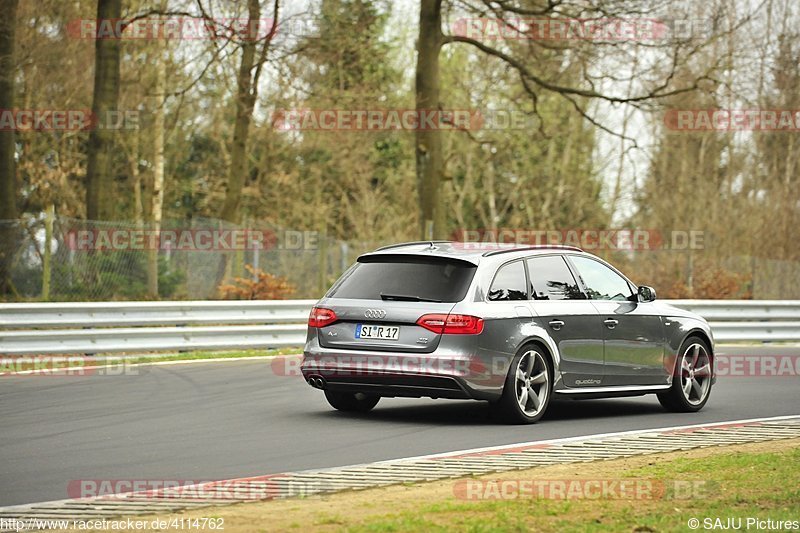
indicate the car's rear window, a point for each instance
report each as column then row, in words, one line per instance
column 438, row 279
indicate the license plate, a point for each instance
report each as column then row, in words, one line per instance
column 386, row 333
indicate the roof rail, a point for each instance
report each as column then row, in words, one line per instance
column 533, row 247
column 412, row 243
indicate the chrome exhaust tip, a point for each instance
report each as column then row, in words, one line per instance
column 318, row 382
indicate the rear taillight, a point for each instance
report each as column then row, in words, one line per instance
column 321, row 317
column 451, row 324
column 434, row 323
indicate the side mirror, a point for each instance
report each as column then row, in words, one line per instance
column 646, row 294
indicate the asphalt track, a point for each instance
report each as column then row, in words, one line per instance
column 205, row 421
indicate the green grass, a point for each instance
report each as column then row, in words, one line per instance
column 188, row 356
column 735, row 485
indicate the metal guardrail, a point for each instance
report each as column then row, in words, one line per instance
column 126, row 314
column 748, row 320
column 106, row 327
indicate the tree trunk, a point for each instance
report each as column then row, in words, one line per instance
column 158, row 169
column 99, row 180
column 245, row 100
column 136, row 179
column 8, row 179
column 430, row 161
column 246, row 94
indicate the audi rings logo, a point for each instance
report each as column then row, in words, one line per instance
column 374, row 313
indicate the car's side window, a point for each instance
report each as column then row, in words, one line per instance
column 509, row 283
column 551, row 279
column 601, row 282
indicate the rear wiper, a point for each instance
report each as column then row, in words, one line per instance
column 407, row 298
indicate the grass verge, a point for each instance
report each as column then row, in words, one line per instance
column 756, row 481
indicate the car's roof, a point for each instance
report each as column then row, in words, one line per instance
column 466, row 251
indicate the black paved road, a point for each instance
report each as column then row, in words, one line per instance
column 221, row 420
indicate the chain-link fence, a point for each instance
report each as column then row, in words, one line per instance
column 57, row 258
column 710, row 274
column 91, row 260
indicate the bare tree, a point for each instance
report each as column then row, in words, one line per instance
column 250, row 68
column 157, row 200
column 8, row 172
column 521, row 59
column 99, row 205
column 429, row 157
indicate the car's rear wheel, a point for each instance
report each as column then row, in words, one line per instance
column 358, row 402
column 528, row 387
column 691, row 380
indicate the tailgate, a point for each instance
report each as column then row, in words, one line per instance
column 380, row 325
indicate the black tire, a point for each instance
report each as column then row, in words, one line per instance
column 691, row 378
column 508, row 408
column 356, row 402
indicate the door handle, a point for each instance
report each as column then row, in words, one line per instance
column 610, row 323
column 556, row 324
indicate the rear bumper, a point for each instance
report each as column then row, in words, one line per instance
column 404, row 385
column 442, row 373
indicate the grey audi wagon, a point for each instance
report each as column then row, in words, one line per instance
column 512, row 325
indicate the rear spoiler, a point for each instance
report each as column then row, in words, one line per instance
column 423, row 257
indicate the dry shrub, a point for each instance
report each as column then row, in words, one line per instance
column 669, row 277
column 265, row 287
column 712, row 284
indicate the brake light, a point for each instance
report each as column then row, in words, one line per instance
column 434, row 323
column 451, row 324
column 321, row 317
column 463, row 324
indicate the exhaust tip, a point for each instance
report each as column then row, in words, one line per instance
column 318, row 382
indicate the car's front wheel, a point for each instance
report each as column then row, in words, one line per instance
column 528, row 387
column 691, row 380
column 358, row 402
